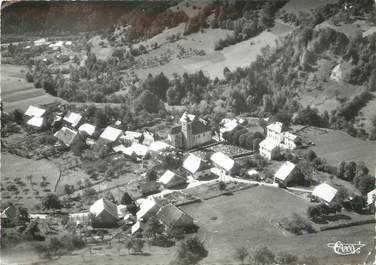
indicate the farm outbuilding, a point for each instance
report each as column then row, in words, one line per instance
column 170, row 179
column 324, row 192
column 287, row 174
column 371, row 196
column 225, row 163
column 87, row 128
column 36, row 122
column 33, row 111
column 72, row 118
column 66, row 136
column 105, row 213
column 110, row 134
column 173, row 217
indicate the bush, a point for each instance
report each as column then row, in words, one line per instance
column 189, row 251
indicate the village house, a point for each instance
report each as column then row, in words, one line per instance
column 371, row 197
column 83, row 218
column 36, row 122
column 110, row 134
column 148, row 207
column 225, row 164
column 33, row 111
column 170, row 179
column 277, row 138
column 158, row 147
column 287, row 174
column 87, row 128
column 72, row 119
column 173, row 217
column 190, row 133
column 66, row 136
column 324, row 192
column 228, row 126
column 105, row 213
column 196, row 167
column 269, row 149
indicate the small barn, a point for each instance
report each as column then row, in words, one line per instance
column 324, row 192
column 36, row 122
column 33, row 111
column 105, row 213
column 66, row 136
column 170, row 179
column 173, row 217
column 87, row 129
column 110, row 134
column 287, row 174
column 225, row 163
column 72, row 119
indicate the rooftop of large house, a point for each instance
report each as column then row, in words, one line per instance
column 169, row 177
column 276, row 126
column 268, row 144
column 284, row 171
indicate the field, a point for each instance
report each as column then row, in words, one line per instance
column 336, row 146
column 213, row 62
column 244, row 219
column 16, row 92
column 296, row 6
column 13, row 167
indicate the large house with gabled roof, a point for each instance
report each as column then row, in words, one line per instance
column 191, row 132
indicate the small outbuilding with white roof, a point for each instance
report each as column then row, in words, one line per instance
column 33, row 111
column 287, row 174
column 170, row 179
column 36, row 122
column 110, row 134
column 72, row 118
column 87, row 128
column 324, row 192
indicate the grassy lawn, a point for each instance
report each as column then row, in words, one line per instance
column 28, row 195
column 16, row 92
column 336, row 146
column 227, row 222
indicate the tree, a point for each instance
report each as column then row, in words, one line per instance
column 267, row 104
column 313, row 212
column 18, row 116
column 151, row 175
column 284, row 258
column 311, row 155
column 240, row 254
column 126, row 199
column 51, row 201
column 190, row 251
column 263, row 256
column 153, row 228
column 68, row 189
column 148, row 101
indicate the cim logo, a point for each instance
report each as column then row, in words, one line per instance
column 346, row 249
